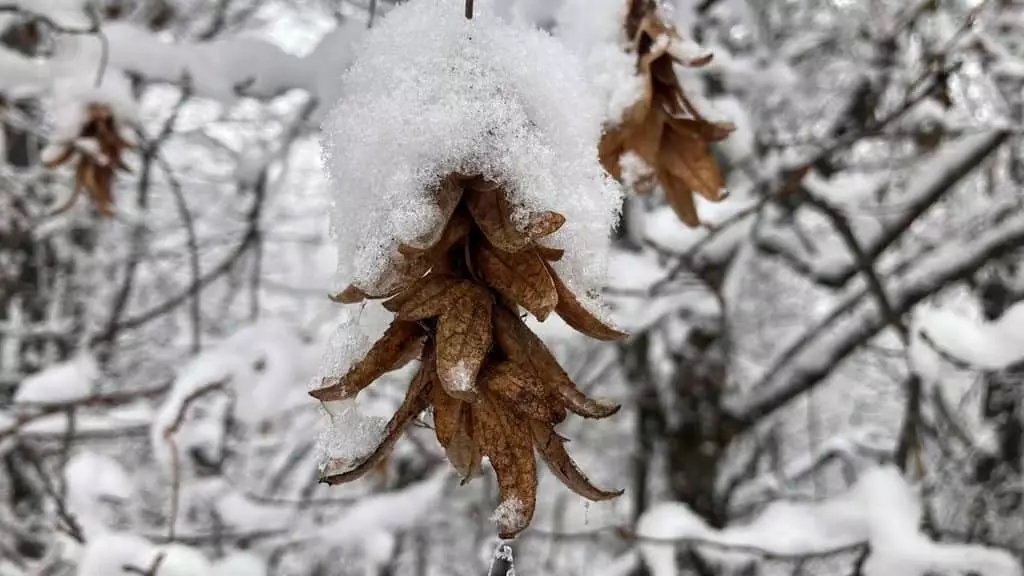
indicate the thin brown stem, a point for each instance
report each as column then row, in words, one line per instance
column 469, row 9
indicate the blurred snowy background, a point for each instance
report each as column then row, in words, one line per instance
column 824, row 379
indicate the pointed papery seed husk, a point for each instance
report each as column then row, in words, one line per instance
column 523, row 346
column 686, row 157
column 447, row 414
column 428, row 297
column 463, row 451
column 463, row 340
column 350, row 295
column 417, row 398
column 544, row 224
column 493, row 215
column 522, row 277
column 680, row 198
column 509, row 446
column 575, row 315
column 552, row 450
column 523, row 391
column 382, row 358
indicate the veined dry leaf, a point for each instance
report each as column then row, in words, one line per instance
column 447, row 414
column 552, row 450
column 493, row 215
column 544, row 224
column 463, row 451
column 428, row 297
column 509, row 447
column 382, row 358
column 707, row 131
column 680, row 197
column 417, row 398
column 575, row 315
column 523, row 346
column 350, row 295
column 521, row 276
column 523, row 391
column 645, row 137
column 463, row 340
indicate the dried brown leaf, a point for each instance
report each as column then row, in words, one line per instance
column 544, row 224
column 493, row 215
column 383, row 357
column 428, row 297
column 509, row 447
column 463, row 451
column 520, row 388
column 552, row 449
column 522, row 277
column 447, row 414
column 581, row 319
column 417, row 398
column 350, row 295
column 463, row 341
column 523, row 346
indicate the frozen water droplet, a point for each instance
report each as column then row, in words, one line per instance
column 503, row 563
column 586, row 513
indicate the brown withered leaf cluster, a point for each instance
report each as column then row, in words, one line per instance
column 495, row 388
column 94, row 173
column 664, row 129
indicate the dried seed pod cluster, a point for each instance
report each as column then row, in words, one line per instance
column 97, row 151
column 663, row 138
column 495, row 388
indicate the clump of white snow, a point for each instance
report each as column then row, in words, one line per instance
column 61, row 383
column 81, row 79
column 510, row 515
column 985, row 345
column 240, row 564
column 95, row 485
column 181, row 560
column 434, row 93
column 594, row 30
column 262, row 362
column 110, row 553
column 881, row 510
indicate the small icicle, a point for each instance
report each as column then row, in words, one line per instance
column 503, row 563
column 586, row 513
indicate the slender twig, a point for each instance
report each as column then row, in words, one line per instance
column 193, row 249
column 74, row 529
column 469, row 9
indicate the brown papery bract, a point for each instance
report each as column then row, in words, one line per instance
column 494, row 387
column 94, row 172
column 664, row 129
